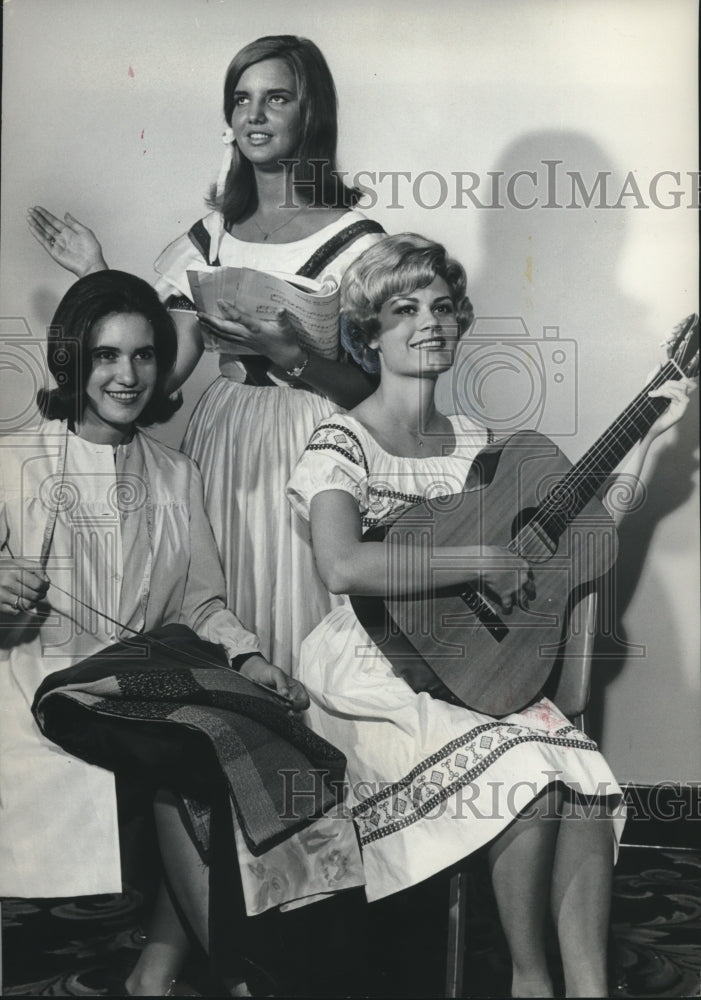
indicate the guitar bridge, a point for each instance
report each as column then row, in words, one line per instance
column 485, row 614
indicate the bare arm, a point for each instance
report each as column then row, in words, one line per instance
column 348, row 565
column 623, row 492
column 277, row 340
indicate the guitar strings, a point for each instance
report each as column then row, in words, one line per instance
column 580, row 483
column 642, row 406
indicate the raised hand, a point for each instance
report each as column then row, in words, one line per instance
column 275, row 339
column 67, row 241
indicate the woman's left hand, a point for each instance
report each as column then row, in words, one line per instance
column 275, row 339
column 257, row 668
column 678, row 392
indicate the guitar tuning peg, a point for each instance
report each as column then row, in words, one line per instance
column 681, row 328
column 671, row 338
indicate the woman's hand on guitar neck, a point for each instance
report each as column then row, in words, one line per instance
column 677, row 391
column 624, row 492
column 67, row 241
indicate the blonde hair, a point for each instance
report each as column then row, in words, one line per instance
column 395, row 265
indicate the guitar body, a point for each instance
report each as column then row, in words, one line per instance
column 526, row 496
column 492, row 661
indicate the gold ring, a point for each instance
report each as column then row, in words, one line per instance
column 16, row 604
column 52, row 240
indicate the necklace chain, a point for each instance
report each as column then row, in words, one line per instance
column 267, row 234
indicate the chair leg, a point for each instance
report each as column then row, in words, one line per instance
column 455, row 944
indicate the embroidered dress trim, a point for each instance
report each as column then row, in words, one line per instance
column 200, row 237
column 336, row 437
column 322, row 257
column 385, row 505
column 180, row 302
column 445, row 772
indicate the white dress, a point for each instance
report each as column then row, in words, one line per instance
column 246, row 440
column 58, row 816
column 429, row 782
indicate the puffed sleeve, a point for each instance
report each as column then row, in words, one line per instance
column 204, row 606
column 334, row 459
column 189, row 251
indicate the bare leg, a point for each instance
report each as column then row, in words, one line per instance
column 521, row 861
column 581, row 896
column 187, row 875
column 164, row 953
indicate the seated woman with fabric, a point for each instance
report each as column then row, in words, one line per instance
column 105, row 541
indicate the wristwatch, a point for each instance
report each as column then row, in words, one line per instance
column 298, row 369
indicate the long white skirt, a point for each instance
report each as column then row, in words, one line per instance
column 246, row 441
column 431, row 782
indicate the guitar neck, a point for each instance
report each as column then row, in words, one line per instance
column 568, row 498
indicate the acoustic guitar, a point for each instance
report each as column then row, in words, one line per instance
column 526, row 496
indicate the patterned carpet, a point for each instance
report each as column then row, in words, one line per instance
column 88, row 945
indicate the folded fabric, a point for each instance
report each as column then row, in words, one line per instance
column 166, row 707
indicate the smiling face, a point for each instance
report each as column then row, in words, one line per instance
column 122, row 377
column 418, row 331
column 266, row 118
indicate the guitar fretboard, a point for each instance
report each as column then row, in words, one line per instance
column 567, row 499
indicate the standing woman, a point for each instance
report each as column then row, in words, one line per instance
column 279, row 206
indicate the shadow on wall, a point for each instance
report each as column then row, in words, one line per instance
column 558, row 345
column 552, row 266
column 671, row 484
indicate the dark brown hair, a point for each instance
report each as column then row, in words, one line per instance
column 314, row 161
column 89, row 300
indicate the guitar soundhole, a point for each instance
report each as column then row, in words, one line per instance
column 531, row 538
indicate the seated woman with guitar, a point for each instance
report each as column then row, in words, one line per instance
column 431, row 780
